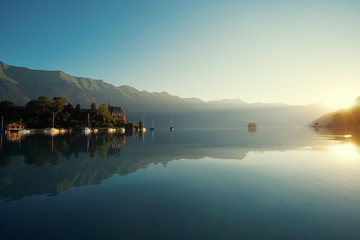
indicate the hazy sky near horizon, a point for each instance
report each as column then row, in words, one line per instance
column 296, row 52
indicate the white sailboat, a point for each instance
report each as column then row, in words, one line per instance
column 143, row 129
column 171, row 125
column 87, row 130
column 52, row 130
column 152, row 125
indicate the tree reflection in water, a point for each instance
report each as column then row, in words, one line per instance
column 34, row 167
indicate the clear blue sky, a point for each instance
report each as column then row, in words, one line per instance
column 296, row 52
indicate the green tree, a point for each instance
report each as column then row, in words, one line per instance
column 94, row 111
column 6, row 104
column 58, row 105
column 38, row 113
column 104, row 117
column 69, row 108
column 77, row 115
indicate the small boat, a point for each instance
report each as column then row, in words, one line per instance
column 62, row 131
column 171, row 125
column 152, row 126
column 24, row 131
column 52, row 130
column 122, row 130
column 46, row 130
column 111, row 130
column 252, row 125
column 143, row 129
column 95, row 130
column 87, row 130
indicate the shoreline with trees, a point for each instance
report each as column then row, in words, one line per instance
column 38, row 114
column 343, row 120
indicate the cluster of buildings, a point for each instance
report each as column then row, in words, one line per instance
column 117, row 113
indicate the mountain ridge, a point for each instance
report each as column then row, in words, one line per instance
column 21, row 84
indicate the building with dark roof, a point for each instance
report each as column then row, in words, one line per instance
column 117, row 113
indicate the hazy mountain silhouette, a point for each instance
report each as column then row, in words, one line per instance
column 21, row 84
column 350, row 112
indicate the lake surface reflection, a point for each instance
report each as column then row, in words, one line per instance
column 188, row 184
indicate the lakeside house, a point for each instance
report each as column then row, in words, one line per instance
column 15, row 126
column 117, row 113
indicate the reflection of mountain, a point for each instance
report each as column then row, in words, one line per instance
column 37, row 168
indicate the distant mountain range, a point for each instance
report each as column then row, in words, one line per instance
column 21, row 85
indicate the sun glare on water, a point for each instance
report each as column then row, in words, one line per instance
column 346, row 151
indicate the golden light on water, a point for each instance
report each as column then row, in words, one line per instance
column 347, row 151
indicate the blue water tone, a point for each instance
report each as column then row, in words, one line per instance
column 292, row 183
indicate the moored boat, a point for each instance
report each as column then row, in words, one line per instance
column 52, row 130
column 171, row 125
column 143, row 129
column 87, row 130
column 152, row 125
column 111, row 130
column 252, row 125
column 24, row 131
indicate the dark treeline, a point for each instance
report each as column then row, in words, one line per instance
column 39, row 113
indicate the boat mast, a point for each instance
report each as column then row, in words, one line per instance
column 53, row 120
column 2, row 122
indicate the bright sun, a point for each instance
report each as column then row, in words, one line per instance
column 344, row 102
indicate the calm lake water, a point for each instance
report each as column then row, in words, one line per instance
column 189, row 184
